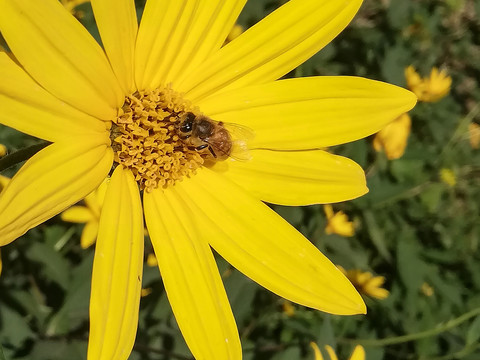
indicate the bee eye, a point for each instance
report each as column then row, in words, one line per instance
column 186, row 126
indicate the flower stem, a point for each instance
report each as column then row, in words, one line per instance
column 21, row 155
column 417, row 336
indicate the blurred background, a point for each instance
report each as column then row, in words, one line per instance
column 411, row 245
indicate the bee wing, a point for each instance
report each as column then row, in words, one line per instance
column 241, row 137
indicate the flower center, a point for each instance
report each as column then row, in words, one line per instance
column 152, row 137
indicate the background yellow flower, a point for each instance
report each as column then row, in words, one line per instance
column 393, row 138
column 366, row 283
column 88, row 214
column 357, row 354
column 338, row 223
column 431, row 88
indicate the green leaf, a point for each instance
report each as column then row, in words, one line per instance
column 54, row 265
column 14, row 327
column 74, row 310
column 473, row 333
column 410, row 267
column 376, row 235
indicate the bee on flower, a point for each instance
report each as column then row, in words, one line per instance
column 156, row 110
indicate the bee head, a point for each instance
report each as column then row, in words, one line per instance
column 186, row 125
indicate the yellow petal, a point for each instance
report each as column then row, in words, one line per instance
column 77, row 214
column 51, row 181
column 59, row 53
column 117, row 24
column 178, row 35
column 117, row 271
column 27, row 107
column 191, row 278
column 316, row 350
column 298, row 177
column 89, row 234
column 3, row 182
column 358, row 353
column 271, row 48
column 263, row 246
column 311, row 112
column 331, row 352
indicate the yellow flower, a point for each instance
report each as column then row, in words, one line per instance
column 429, row 89
column 474, row 134
column 366, row 283
column 88, row 214
column 143, row 106
column 448, row 177
column 337, row 223
column 3, row 150
column 358, row 352
column 393, row 138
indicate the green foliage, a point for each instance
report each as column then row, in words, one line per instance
column 411, row 228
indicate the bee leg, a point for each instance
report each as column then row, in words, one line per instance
column 212, row 152
column 201, row 147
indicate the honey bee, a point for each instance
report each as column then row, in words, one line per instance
column 215, row 140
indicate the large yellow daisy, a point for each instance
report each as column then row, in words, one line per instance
column 125, row 109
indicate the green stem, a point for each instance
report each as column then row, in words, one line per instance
column 2, row 356
column 21, row 155
column 467, row 350
column 420, row 335
column 461, row 129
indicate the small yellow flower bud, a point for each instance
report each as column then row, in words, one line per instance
column 448, row 177
column 3, row 150
column 236, row 31
column 426, row 289
column 151, row 260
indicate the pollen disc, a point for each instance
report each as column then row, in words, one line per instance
column 145, row 138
